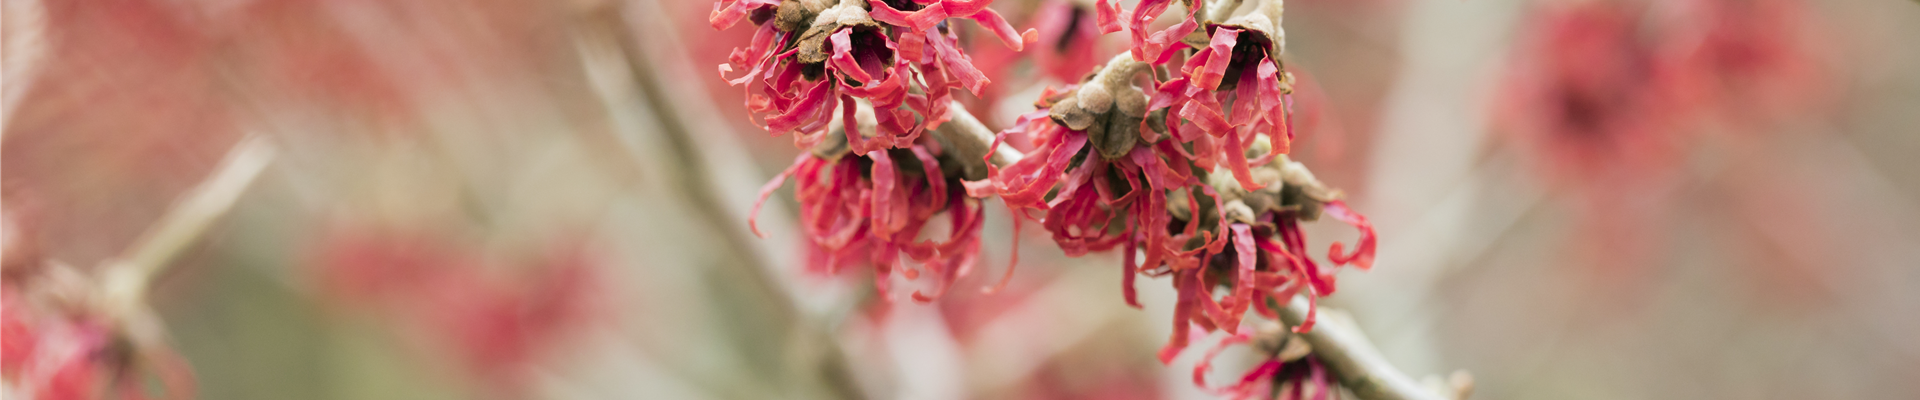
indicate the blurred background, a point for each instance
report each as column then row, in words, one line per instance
column 547, row 199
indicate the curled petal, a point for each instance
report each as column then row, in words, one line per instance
column 1108, row 16
column 1000, row 28
column 1362, row 255
column 1182, row 311
column 726, row 14
column 1221, row 52
column 842, row 59
column 958, row 63
column 925, row 18
column 767, row 191
column 1236, row 155
column 815, row 105
column 1012, row 260
column 1244, row 280
column 1128, row 271
column 1159, row 47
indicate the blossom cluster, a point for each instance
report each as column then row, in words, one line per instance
column 901, row 56
column 1172, row 153
column 496, row 328
column 1604, row 87
column 872, row 178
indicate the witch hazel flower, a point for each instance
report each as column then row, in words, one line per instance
column 1289, row 370
column 1268, row 259
column 1746, row 60
column 1590, row 93
column 1098, row 172
column 810, row 56
column 1152, row 47
column 1069, row 39
column 871, row 208
column 1238, row 67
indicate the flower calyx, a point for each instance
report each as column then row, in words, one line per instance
column 797, row 15
column 812, row 46
column 1289, row 188
column 1110, row 109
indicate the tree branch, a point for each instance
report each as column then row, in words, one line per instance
column 1345, row 350
column 809, row 345
column 127, row 279
column 130, row 276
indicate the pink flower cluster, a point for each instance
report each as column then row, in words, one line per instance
column 856, row 208
column 494, row 328
column 809, row 56
column 873, row 182
column 1183, row 172
column 1601, row 87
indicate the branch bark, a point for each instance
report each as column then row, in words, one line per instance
column 808, row 347
column 127, row 279
column 131, row 274
column 1341, row 346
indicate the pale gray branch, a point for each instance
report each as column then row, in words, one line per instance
column 1340, row 345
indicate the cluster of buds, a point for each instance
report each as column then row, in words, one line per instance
column 1184, row 172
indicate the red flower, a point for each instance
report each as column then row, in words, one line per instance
column 804, row 61
column 1156, row 47
column 1236, row 68
column 1747, row 60
column 1591, row 93
column 1267, row 261
column 871, row 206
column 1097, row 185
column 493, row 327
column 1300, row 378
column 1071, row 39
column 1105, row 178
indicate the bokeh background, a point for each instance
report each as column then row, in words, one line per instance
column 547, row 199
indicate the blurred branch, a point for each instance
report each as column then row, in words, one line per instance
column 187, row 220
column 968, row 138
column 24, row 53
column 127, row 279
column 698, row 177
column 1339, row 344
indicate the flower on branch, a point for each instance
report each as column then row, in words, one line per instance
column 809, row 56
column 1289, row 370
column 1071, row 37
column 1104, row 172
column 872, row 206
column 1590, row 92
